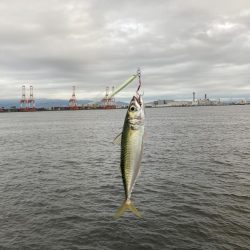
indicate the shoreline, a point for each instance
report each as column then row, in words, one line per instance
column 11, row 110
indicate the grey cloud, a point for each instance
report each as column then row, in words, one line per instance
column 181, row 46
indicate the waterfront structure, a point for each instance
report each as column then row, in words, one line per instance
column 72, row 100
column 170, row 103
column 108, row 102
column 23, row 100
column 194, row 102
column 27, row 104
column 31, row 100
column 241, row 102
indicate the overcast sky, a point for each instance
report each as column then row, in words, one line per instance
column 181, row 46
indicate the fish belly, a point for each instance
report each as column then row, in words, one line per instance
column 132, row 145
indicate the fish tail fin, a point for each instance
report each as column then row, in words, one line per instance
column 134, row 210
column 127, row 205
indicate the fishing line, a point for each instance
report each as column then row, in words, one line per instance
column 139, row 77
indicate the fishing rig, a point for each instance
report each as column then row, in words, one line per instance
column 108, row 102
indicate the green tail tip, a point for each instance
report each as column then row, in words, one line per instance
column 127, row 205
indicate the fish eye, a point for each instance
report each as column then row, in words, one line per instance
column 132, row 108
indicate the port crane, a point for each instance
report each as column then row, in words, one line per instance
column 72, row 100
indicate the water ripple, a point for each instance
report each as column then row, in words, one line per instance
column 60, row 181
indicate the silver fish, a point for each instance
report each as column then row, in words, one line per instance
column 131, row 140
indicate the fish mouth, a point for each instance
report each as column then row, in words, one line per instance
column 136, row 111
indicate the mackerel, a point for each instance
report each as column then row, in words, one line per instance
column 131, row 140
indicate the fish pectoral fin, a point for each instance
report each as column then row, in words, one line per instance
column 127, row 206
column 118, row 139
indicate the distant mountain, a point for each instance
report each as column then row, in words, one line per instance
column 121, row 104
column 46, row 103
column 9, row 103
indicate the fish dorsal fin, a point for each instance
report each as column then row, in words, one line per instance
column 118, row 139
